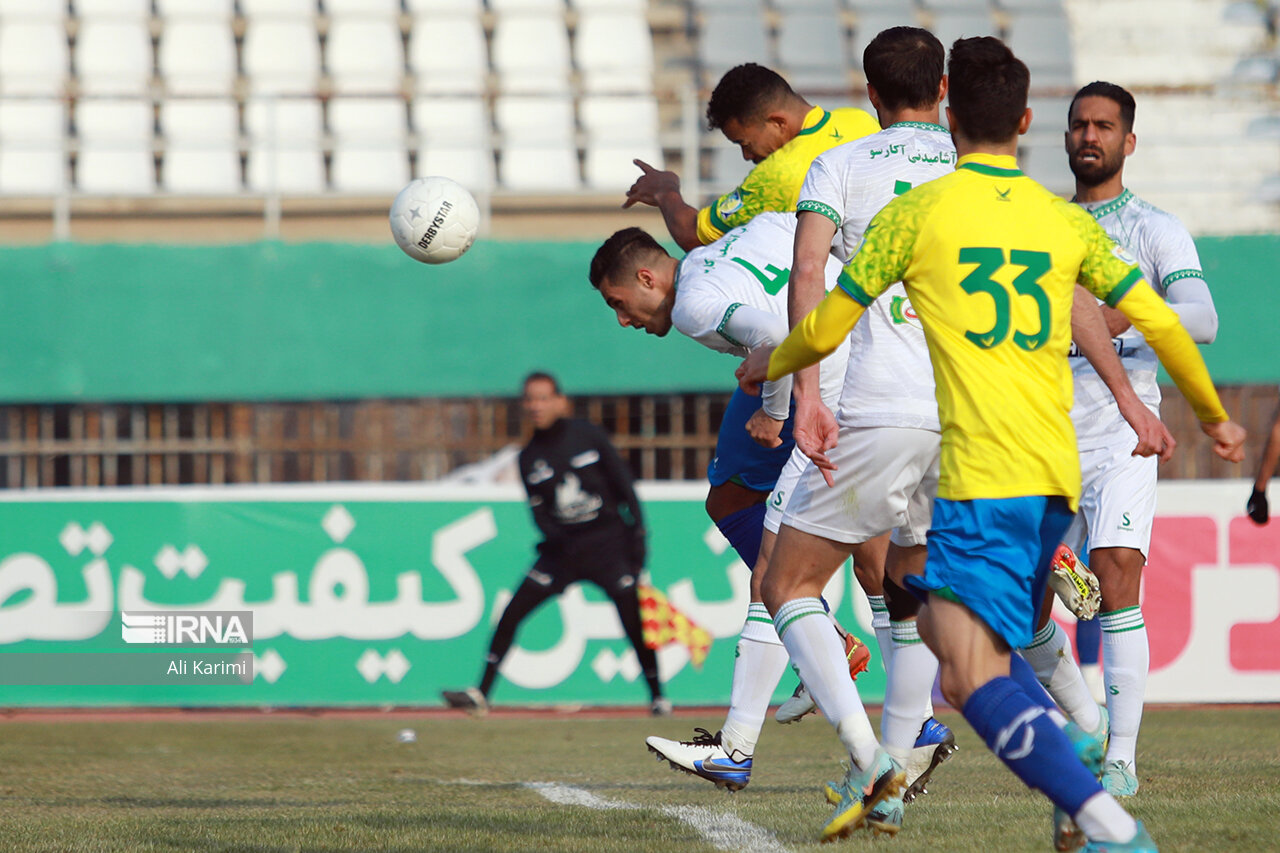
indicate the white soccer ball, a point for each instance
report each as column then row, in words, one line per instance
column 434, row 220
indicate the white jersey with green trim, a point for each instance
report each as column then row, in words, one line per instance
column 731, row 296
column 1167, row 256
column 889, row 379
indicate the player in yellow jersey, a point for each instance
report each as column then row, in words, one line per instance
column 776, row 129
column 990, row 260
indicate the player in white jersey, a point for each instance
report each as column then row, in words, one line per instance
column 1117, row 506
column 888, row 440
column 730, row 296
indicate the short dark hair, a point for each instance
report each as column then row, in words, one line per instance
column 1102, row 89
column 621, row 254
column 905, row 65
column 541, row 376
column 988, row 91
column 746, row 92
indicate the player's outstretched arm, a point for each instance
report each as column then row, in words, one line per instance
column 1091, row 335
column 1179, row 355
column 661, row 189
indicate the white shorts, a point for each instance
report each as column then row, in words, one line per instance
column 1118, row 502
column 787, row 479
column 886, row 479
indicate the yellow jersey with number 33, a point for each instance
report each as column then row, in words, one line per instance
column 775, row 182
column 990, row 260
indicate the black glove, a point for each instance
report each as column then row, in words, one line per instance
column 1257, row 507
column 638, row 550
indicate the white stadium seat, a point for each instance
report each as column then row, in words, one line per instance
column 32, row 147
column 117, row 9
column 537, row 150
column 614, row 52
column 455, row 140
column 33, row 57
column 198, row 57
column 448, row 55
column 285, row 136
column 618, row 130
column 504, row 6
column 370, row 144
column 113, row 57
column 531, row 53
column 365, row 55
column 729, row 37
column 281, row 56
column 202, row 146
column 445, row 7
column 195, row 9
column 257, row 9
column 115, row 153
column 33, row 10
column 811, row 49
column 362, row 8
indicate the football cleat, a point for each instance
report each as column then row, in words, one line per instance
column 661, row 707
column 1119, row 780
column 1141, row 843
column 470, row 700
column 704, row 756
column 861, row 792
column 1072, row 582
column 935, row 744
column 858, row 655
column 1088, row 747
column 886, row 818
column 800, row 704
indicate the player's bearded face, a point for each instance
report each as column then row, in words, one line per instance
column 1097, row 141
column 639, row 307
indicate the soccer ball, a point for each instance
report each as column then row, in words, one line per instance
column 434, row 220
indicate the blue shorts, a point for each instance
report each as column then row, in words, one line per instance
column 738, row 457
column 993, row 557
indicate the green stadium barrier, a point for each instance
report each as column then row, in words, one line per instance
column 361, row 595
column 274, row 321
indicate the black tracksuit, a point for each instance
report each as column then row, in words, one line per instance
column 585, row 505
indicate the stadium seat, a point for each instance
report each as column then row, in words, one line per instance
column 445, row 7
column 613, row 51
column 281, row 57
column 531, row 53
column 34, row 58
column 1043, row 41
column 951, row 25
column 113, row 57
column 537, row 150
column 32, row 147
column 195, row 9
column 505, row 6
column 811, row 49
column 33, row 10
column 285, row 145
column 1046, row 162
column 365, row 55
column 1034, row 5
column 727, row 168
column 202, row 146
column 1048, row 118
column 729, row 37
column 958, row 5
column 108, row 9
column 869, row 24
column 618, row 130
column 370, row 144
column 376, row 9
column 904, row 10
column 610, row 5
column 197, row 57
column 448, row 55
column 455, row 140
column 256, row 9
column 115, row 147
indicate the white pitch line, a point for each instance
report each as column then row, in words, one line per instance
column 723, row 830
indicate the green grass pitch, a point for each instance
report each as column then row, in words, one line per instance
column 574, row 782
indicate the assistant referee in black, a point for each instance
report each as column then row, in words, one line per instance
column 585, row 505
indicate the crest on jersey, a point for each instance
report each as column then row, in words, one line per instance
column 1123, row 255
column 730, row 204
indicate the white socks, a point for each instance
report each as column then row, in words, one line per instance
column 908, row 696
column 759, row 666
column 1049, row 654
column 818, row 654
column 880, row 624
column 1126, row 657
column 1101, row 818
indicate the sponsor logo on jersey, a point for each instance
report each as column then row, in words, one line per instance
column 1003, row 195
column 1126, row 523
column 901, row 312
column 540, row 473
column 1123, row 254
column 730, row 204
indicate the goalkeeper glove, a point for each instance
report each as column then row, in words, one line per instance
column 1257, row 507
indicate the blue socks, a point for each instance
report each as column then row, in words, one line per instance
column 744, row 529
column 1022, row 735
